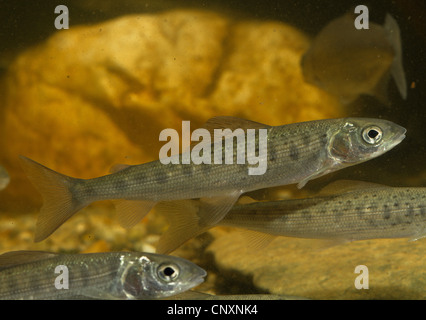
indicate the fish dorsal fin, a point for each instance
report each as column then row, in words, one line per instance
column 345, row 186
column 397, row 70
column 118, row 167
column 14, row 258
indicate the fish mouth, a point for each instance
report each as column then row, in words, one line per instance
column 398, row 138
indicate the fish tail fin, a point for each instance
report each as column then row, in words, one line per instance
column 397, row 69
column 184, row 219
column 59, row 202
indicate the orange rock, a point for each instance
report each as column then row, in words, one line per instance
column 93, row 96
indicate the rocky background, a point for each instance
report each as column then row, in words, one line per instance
column 84, row 99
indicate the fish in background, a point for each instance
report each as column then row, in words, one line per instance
column 296, row 153
column 4, row 178
column 343, row 211
column 108, row 275
column 348, row 62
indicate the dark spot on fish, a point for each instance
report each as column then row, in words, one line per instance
column 306, row 140
column 409, row 212
column 372, row 222
column 396, row 204
column 337, row 215
column 206, row 168
column 374, row 195
column 386, row 212
column 272, row 154
column 120, row 184
column 160, row 176
column 294, row 152
column 348, row 202
column 423, row 212
column 186, row 169
column 394, row 197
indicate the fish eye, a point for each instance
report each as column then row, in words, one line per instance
column 168, row 272
column 372, row 135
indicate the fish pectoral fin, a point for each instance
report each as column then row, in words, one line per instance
column 183, row 224
column 14, row 258
column 256, row 240
column 130, row 212
column 214, row 209
column 190, row 218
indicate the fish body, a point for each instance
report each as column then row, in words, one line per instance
column 111, row 275
column 348, row 211
column 347, row 62
column 4, row 178
column 373, row 213
column 296, row 153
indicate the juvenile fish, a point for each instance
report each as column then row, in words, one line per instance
column 109, row 275
column 296, row 153
column 4, row 178
column 348, row 62
column 347, row 211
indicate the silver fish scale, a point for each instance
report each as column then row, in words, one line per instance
column 294, row 151
column 36, row 280
column 370, row 214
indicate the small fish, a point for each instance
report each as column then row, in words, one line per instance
column 348, row 62
column 4, row 178
column 344, row 211
column 109, row 275
column 296, row 153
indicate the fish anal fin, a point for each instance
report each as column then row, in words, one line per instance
column 13, row 258
column 130, row 212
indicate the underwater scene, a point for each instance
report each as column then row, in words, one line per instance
column 212, row 150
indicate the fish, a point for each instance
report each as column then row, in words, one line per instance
column 348, row 62
column 107, row 275
column 296, row 153
column 4, row 178
column 342, row 212
column 196, row 295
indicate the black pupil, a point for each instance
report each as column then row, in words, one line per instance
column 168, row 271
column 373, row 134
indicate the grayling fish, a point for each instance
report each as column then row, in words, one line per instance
column 4, row 178
column 296, row 153
column 348, row 62
column 108, row 275
column 344, row 211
